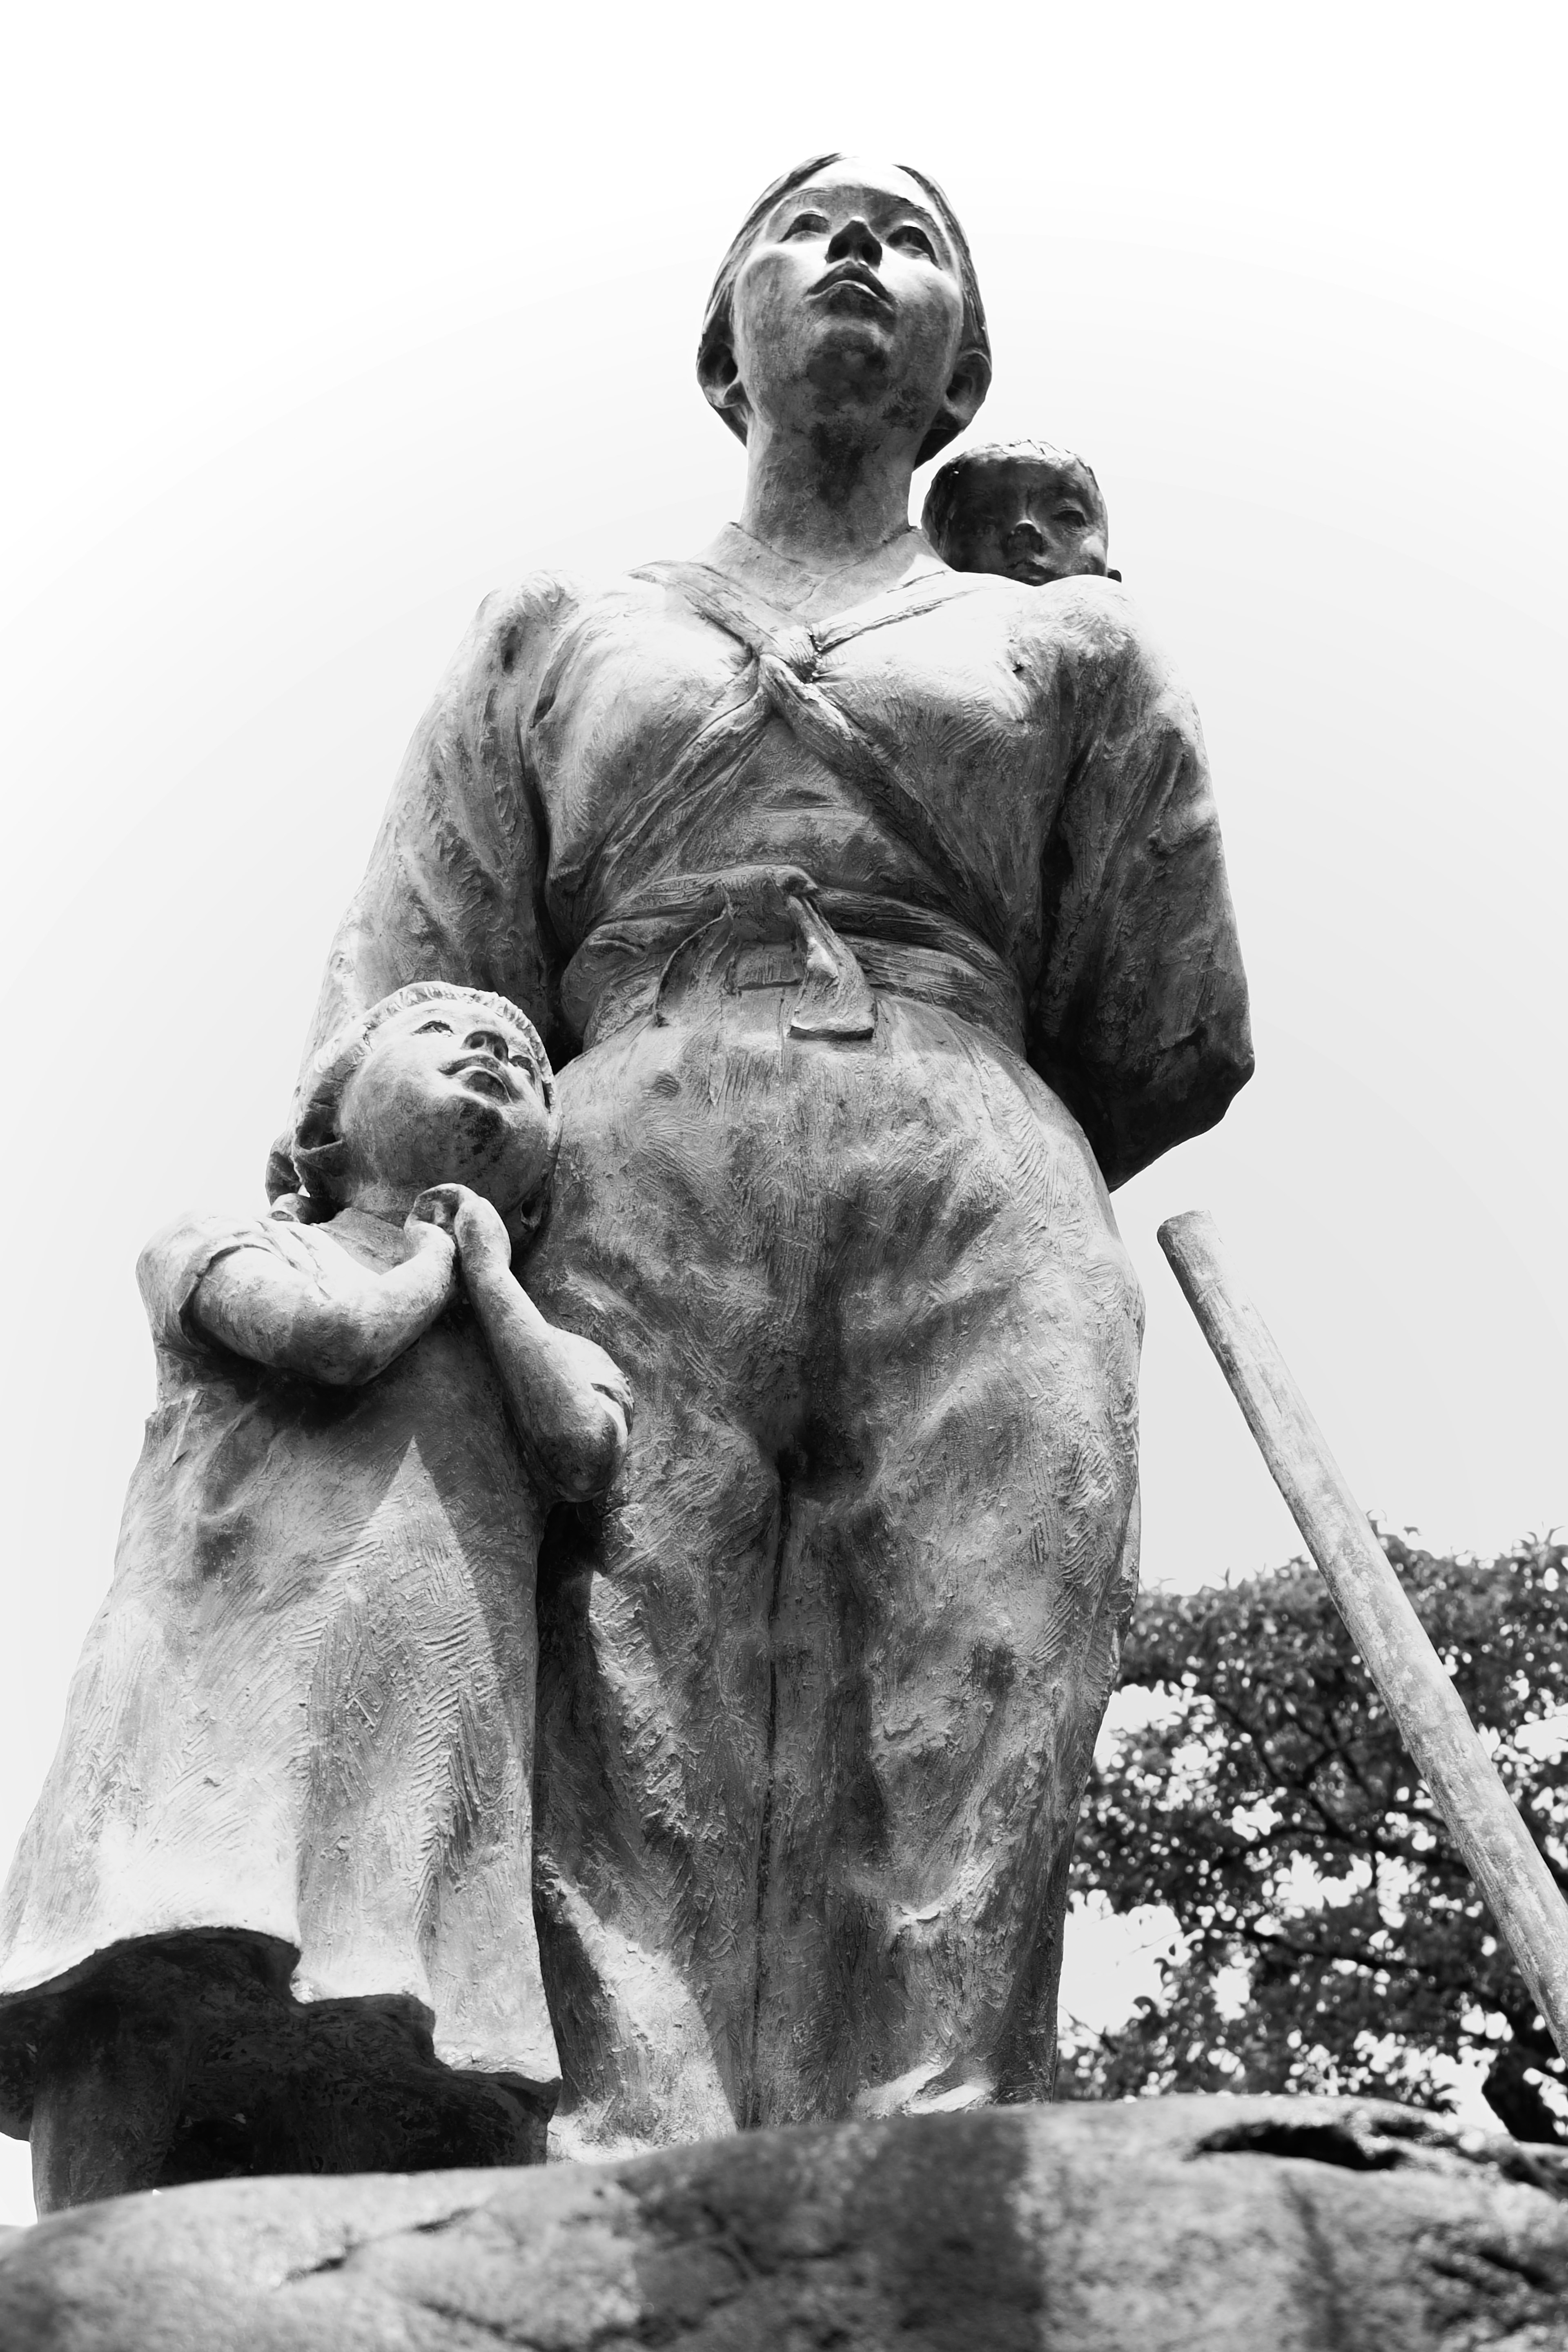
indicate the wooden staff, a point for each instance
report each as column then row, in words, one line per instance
column 1502, row 1856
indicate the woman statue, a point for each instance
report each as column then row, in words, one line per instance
column 878, row 915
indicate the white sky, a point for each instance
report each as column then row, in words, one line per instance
column 324, row 320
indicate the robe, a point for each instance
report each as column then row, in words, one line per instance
column 875, row 952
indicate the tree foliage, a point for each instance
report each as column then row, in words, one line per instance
column 1332, row 1938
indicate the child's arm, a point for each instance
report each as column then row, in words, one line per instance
column 254, row 1302
column 569, row 1404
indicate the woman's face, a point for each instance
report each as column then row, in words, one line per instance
column 847, row 310
column 448, row 1095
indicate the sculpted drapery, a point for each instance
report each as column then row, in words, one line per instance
column 735, row 1431
column 881, row 941
column 1052, row 799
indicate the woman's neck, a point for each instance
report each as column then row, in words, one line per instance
column 823, row 502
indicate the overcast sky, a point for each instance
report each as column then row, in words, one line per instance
column 324, row 320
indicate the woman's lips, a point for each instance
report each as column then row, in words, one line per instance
column 865, row 290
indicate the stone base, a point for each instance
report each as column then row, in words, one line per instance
column 1168, row 2225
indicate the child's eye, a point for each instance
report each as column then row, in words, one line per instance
column 1072, row 516
column 425, row 1027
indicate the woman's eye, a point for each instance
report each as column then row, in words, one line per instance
column 913, row 240
column 807, row 225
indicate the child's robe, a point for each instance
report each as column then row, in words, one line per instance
column 305, row 1710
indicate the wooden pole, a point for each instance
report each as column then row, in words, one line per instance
column 1502, row 1856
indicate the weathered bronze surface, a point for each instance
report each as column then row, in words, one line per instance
column 875, row 915
column 299, row 1741
column 1023, row 510
column 881, row 911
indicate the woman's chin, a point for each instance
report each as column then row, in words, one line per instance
column 855, row 341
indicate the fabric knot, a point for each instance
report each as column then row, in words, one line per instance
column 797, row 648
column 787, row 686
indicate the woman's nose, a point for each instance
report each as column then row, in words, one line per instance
column 856, row 241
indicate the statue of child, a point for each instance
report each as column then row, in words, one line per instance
column 1022, row 508
column 273, row 1911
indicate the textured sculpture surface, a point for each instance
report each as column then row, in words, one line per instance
column 876, row 916
column 300, row 1737
column 1022, row 510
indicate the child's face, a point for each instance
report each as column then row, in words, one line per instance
column 445, row 1095
column 1030, row 521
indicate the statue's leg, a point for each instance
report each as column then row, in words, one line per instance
column 111, row 2073
column 961, row 1553
column 193, row 2062
column 817, row 1692
column 651, row 1788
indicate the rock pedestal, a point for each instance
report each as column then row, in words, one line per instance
column 1173, row 2225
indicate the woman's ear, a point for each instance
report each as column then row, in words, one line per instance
column 720, row 377
column 967, row 387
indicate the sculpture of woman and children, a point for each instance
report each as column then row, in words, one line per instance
column 627, row 1562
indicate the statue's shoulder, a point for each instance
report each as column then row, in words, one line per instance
column 510, row 638
column 179, row 1253
column 1091, row 612
column 510, row 620
column 1087, row 626
column 516, row 629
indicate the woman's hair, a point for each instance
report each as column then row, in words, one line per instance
column 315, row 1146
column 952, row 482
column 717, row 327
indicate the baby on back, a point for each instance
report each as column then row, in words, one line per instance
column 1023, row 510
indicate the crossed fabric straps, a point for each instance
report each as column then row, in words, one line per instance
column 781, row 680
column 707, row 925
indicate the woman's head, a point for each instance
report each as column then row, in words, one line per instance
column 436, row 1085
column 848, row 299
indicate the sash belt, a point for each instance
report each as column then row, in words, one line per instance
column 754, row 927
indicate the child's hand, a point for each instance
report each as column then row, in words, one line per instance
column 484, row 1245
column 438, row 1208
column 429, row 1227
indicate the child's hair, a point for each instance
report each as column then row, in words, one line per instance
column 947, row 491
column 315, row 1145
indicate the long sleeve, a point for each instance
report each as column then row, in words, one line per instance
column 1140, row 1019
column 454, row 887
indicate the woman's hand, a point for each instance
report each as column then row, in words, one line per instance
column 478, row 1231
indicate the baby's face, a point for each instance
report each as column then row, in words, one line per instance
column 447, row 1095
column 1028, row 521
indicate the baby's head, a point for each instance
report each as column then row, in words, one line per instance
column 1021, row 508
column 436, row 1085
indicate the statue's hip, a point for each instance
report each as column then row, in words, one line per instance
column 682, row 945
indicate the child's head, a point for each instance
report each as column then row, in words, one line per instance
column 436, row 1085
column 1022, row 508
